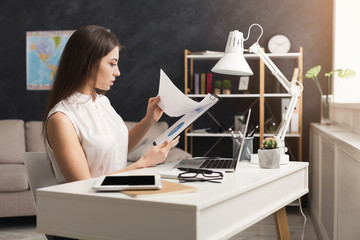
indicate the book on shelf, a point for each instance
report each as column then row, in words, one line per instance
column 294, row 125
column 209, row 82
column 196, row 83
column 284, row 106
column 203, row 83
column 167, row 188
column 295, row 75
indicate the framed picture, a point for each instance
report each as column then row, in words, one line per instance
column 243, row 83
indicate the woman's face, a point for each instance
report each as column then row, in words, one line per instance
column 108, row 70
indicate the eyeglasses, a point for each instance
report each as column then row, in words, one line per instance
column 199, row 175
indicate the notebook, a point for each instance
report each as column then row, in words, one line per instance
column 216, row 163
column 167, row 188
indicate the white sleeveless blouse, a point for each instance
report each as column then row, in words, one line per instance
column 102, row 133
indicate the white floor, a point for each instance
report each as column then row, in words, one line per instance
column 23, row 228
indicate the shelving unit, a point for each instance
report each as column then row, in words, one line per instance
column 189, row 59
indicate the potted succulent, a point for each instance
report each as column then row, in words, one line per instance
column 226, row 85
column 217, row 86
column 269, row 154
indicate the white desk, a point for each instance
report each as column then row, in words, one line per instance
column 215, row 211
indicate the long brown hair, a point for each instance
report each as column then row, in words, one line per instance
column 79, row 62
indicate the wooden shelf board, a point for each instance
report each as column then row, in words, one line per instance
column 246, row 55
column 255, row 95
column 205, row 134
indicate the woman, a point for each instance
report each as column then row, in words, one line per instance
column 84, row 135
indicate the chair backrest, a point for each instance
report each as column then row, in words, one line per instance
column 39, row 170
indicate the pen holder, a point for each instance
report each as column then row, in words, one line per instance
column 247, row 148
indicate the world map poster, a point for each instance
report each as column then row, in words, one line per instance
column 43, row 52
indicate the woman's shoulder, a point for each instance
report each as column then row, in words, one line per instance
column 68, row 106
column 58, row 118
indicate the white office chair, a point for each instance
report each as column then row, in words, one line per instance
column 40, row 175
column 39, row 171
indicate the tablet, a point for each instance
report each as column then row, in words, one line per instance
column 127, row 182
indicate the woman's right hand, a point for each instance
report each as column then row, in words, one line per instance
column 156, row 154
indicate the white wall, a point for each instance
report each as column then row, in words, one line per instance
column 347, row 49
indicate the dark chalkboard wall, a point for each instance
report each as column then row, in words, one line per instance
column 155, row 34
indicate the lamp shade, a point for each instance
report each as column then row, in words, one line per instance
column 233, row 61
column 232, row 64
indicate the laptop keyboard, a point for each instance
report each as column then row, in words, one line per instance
column 216, row 163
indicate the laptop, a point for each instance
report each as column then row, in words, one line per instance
column 216, row 163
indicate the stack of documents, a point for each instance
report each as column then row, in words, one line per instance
column 175, row 104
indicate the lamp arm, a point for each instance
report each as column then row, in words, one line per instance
column 255, row 48
column 281, row 130
column 293, row 88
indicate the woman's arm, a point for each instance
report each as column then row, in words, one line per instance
column 67, row 149
column 153, row 114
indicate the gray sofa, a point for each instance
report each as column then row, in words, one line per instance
column 16, row 137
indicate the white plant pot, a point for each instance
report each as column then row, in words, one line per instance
column 269, row 158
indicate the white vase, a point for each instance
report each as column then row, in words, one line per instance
column 269, row 158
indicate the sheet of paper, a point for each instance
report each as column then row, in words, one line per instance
column 186, row 120
column 174, row 102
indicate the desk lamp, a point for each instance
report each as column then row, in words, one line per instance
column 234, row 63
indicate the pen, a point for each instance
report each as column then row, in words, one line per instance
column 252, row 132
column 233, row 135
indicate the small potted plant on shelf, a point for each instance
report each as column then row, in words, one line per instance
column 269, row 154
column 217, row 86
column 226, row 85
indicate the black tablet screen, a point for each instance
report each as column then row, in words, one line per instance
column 128, row 180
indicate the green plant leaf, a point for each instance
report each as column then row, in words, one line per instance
column 328, row 74
column 218, row 84
column 313, row 72
column 347, row 73
column 226, row 84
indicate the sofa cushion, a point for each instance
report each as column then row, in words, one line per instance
column 13, row 178
column 12, row 141
column 177, row 154
column 138, row 151
column 33, row 137
column 155, row 131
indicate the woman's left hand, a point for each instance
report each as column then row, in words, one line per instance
column 153, row 111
